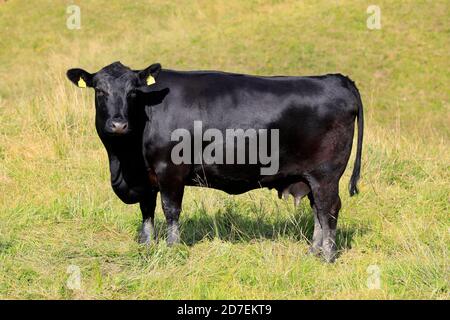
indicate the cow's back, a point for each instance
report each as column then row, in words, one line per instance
column 314, row 115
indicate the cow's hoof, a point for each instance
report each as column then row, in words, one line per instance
column 329, row 256
column 173, row 236
column 315, row 251
column 146, row 239
column 172, row 241
column 145, row 242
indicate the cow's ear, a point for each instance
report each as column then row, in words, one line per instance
column 149, row 75
column 80, row 77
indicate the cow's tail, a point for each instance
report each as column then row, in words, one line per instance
column 353, row 188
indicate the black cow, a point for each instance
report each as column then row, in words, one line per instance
column 138, row 111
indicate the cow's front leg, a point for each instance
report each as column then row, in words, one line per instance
column 171, row 198
column 148, row 232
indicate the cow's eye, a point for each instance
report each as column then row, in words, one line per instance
column 132, row 94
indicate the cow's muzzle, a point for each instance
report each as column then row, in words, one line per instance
column 118, row 127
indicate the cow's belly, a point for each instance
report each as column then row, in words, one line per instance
column 233, row 179
column 237, row 179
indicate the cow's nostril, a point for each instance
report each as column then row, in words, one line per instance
column 119, row 127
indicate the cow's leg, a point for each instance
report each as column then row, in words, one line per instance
column 171, row 198
column 148, row 205
column 316, row 246
column 328, row 204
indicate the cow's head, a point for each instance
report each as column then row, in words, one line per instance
column 118, row 91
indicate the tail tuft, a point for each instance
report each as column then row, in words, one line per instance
column 353, row 188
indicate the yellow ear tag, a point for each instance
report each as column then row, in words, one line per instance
column 81, row 83
column 150, row 80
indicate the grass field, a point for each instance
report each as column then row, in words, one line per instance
column 57, row 208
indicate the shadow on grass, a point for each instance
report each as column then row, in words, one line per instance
column 236, row 224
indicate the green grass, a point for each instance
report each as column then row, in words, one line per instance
column 57, row 208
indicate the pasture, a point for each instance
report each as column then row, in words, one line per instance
column 58, row 212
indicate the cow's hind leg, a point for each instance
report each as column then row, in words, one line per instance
column 148, row 232
column 316, row 246
column 327, row 204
